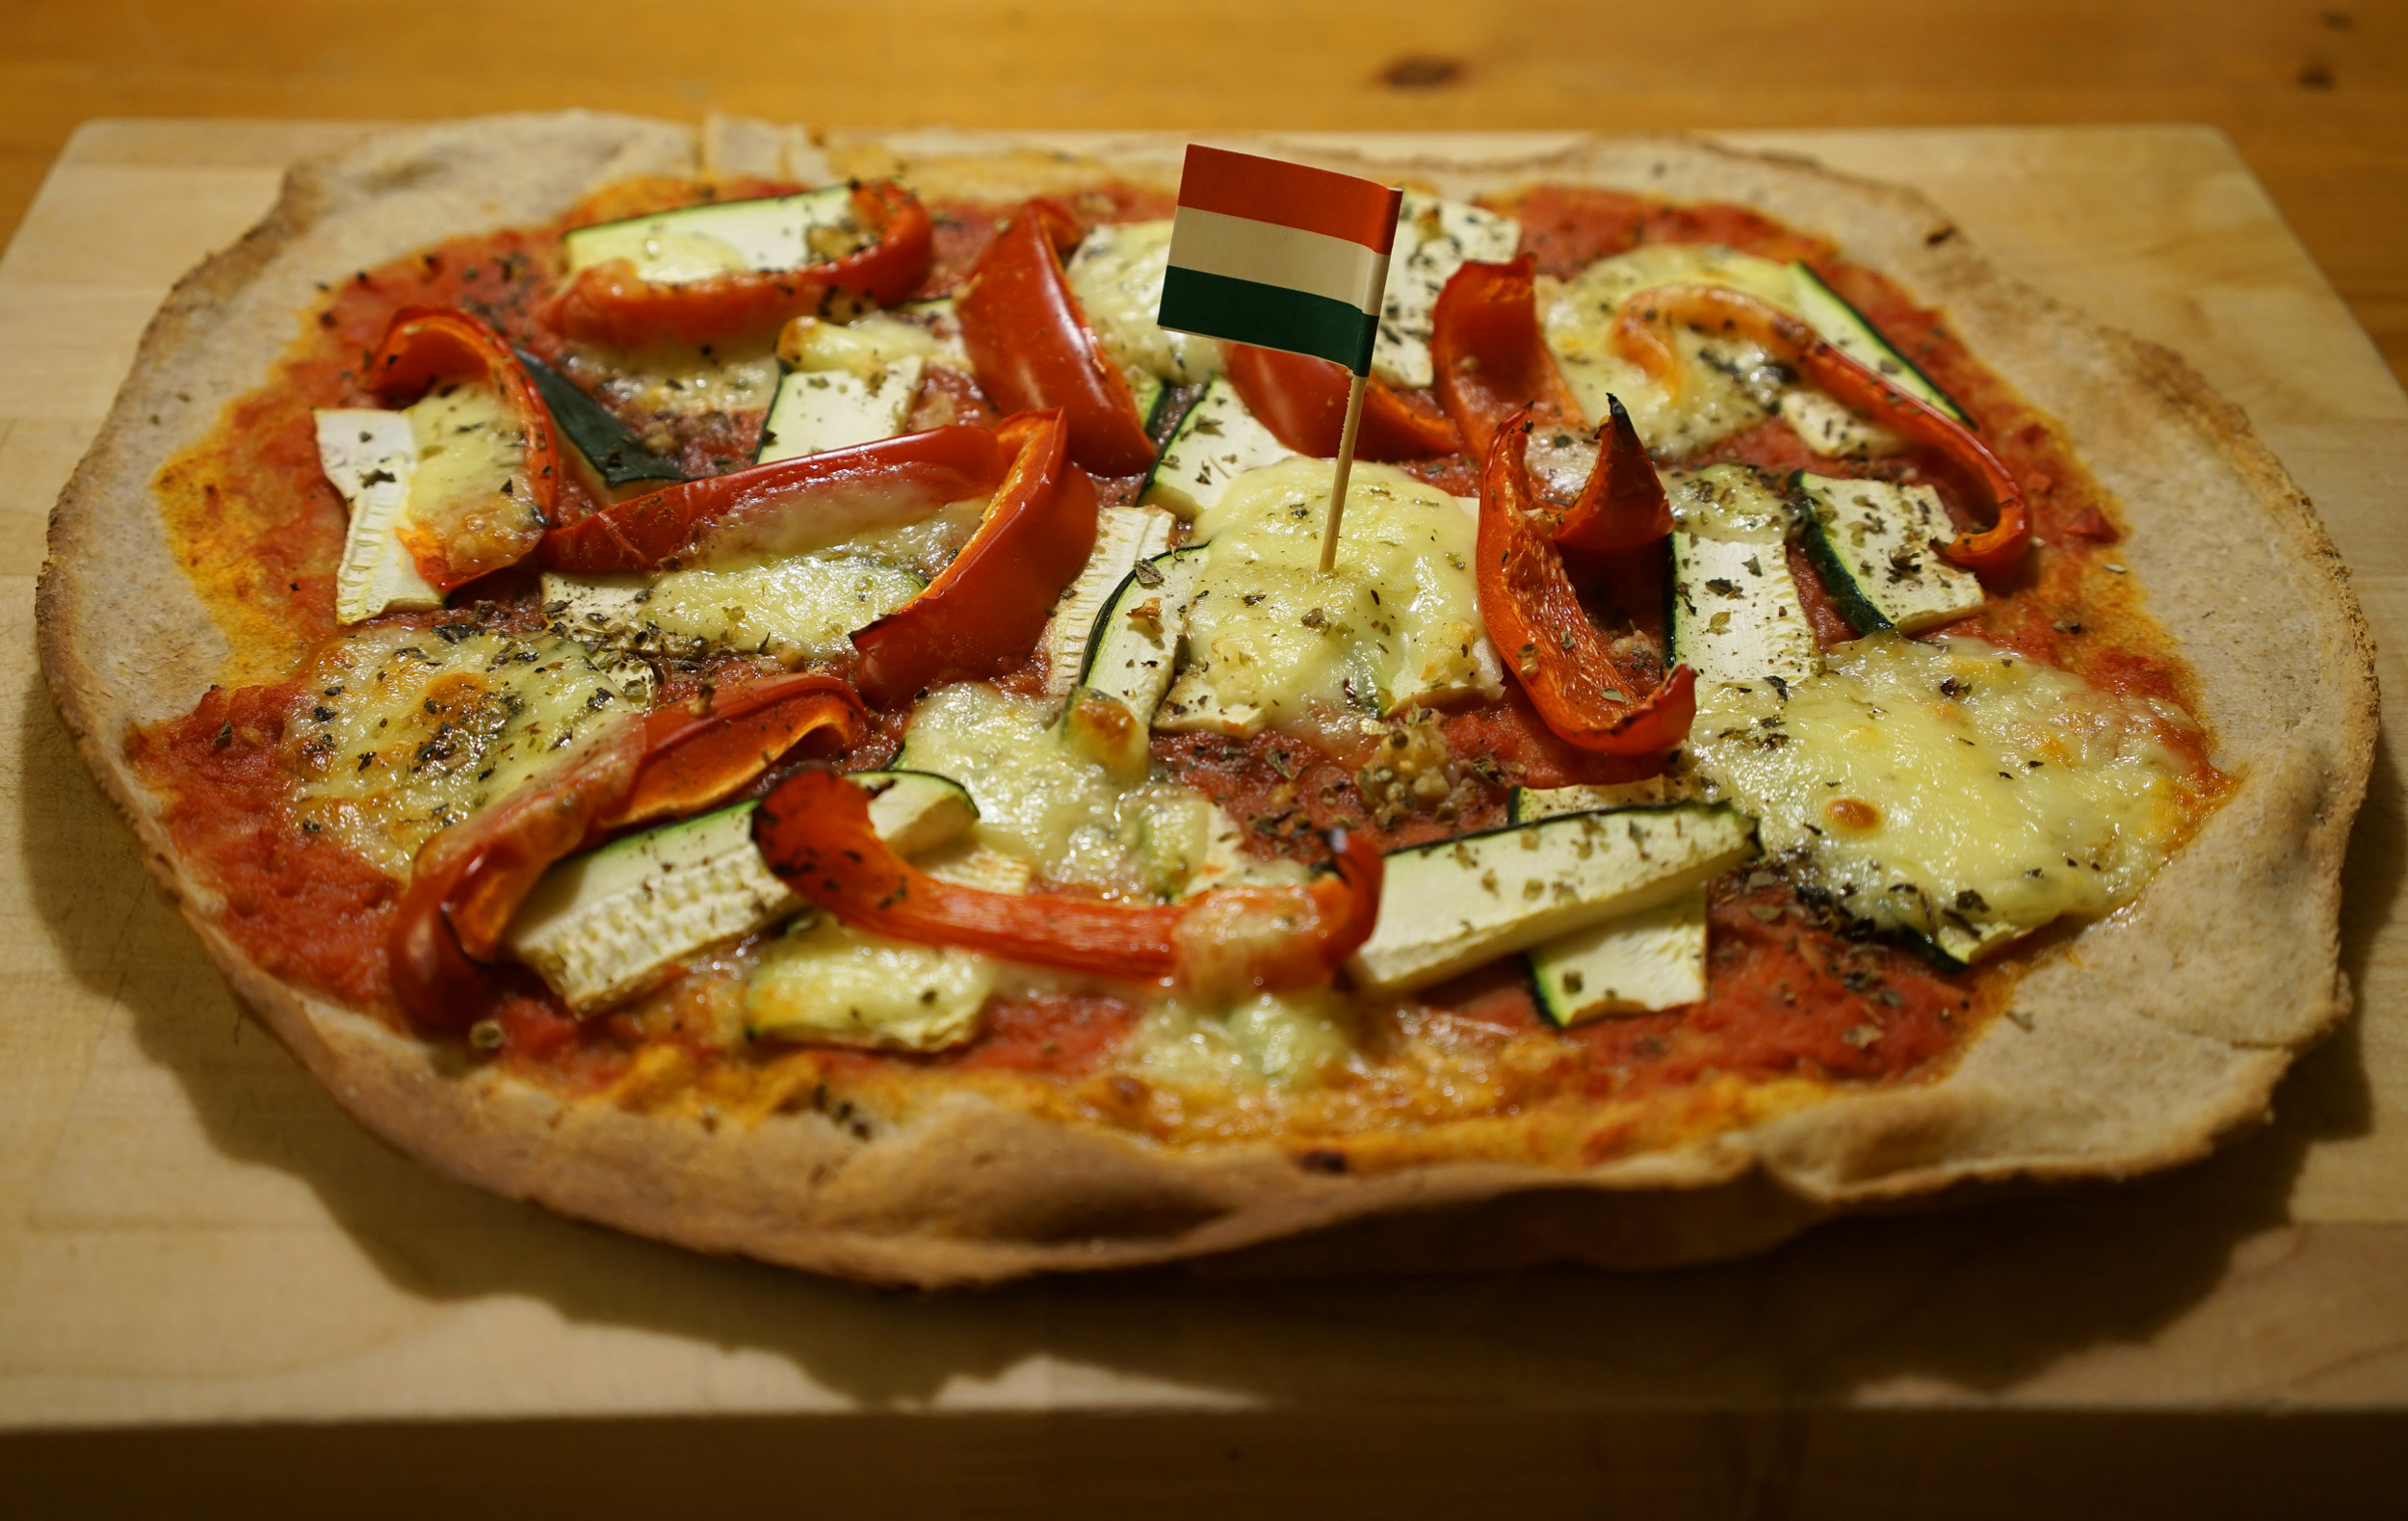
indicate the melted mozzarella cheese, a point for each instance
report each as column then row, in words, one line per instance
column 1270, row 637
column 1117, row 274
column 805, row 606
column 1043, row 802
column 1282, row 1040
column 1724, row 386
column 409, row 732
column 826, row 981
column 1950, row 788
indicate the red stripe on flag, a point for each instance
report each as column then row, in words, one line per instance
column 1292, row 194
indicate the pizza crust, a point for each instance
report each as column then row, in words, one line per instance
column 2151, row 1035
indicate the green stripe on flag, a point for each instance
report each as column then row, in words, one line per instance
column 1268, row 316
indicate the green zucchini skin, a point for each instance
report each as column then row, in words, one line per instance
column 1832, row 313
column 1178, row 568
column 610, row 446
column 1838, row 585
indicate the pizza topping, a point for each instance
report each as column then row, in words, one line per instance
column 603, row 926
column 1116, row 275
column 409, row 729
column 1452, row 904
column 1638, row 963
column 1951, row 789
column 789, row 507
column 611, row 462
column 826, row 982
column 730, row 270
column 1490, row 358
column 1302, row 403
column 987, row 608
column 372, row 458
column 1643, row 333
column 1586, row 687
column 1216, row 442
column 1271, row 638
column 791, row 608
column 473, row 488
column 1033, row 351
column 1737, row 616
column 1435, row 238
column 815, row 832
column 1075, row 806
column 467, row 883
column 1876, row 546
column 1126, row 539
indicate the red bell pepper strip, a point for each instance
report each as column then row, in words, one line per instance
column 469, row 880
column 747, row 507
column 1643, row 333
column 455, row 541
column 1623, row 505
column 1302, row 400
column 611, row 304
column 1488, row 356
column 815, row 833
column 986, row 608
column 1571, row 673
column 1032, row 350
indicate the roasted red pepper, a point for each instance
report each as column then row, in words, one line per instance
column 747, row 508
column 481, row 529
column 611, row 304
column 1623, row 505
column 987, row 608
column 1304, row 402
column 1643, row 334
column 469, row 880
column 1488, row 357
column 1585, row 691
column 814, row 831
column 1032, row 347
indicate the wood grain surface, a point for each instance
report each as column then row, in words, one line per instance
column 2313, row 93
column 191, row 1232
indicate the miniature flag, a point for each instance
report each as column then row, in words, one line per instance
column 1279, row 255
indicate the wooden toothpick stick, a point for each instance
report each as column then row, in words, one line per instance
column 1345, row 467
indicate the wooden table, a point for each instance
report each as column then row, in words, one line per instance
column 193, row 1237
column 2313, row 92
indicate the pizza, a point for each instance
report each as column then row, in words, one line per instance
column 738, row 685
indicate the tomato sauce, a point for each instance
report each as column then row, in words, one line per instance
column 1793, row 994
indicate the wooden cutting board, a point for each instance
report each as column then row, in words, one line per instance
column 190, row 1231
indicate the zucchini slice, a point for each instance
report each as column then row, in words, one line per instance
column 1530, row 804
column 1638, row 963
column 816, row 410
column 1133, row 642
column 1846, row 329
column 1452, row 904
column 1123, row 537
column 1434, row 239
column 1874, row 543
column 1217, row 441
column 1736, row 618
column 613, row 458
column 605, row 925
column 694, row 243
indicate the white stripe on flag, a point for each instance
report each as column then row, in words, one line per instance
column 1272, row 253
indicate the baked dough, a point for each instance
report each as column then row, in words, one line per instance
column 2152, row 1034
